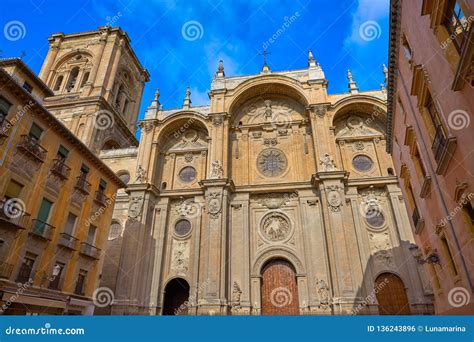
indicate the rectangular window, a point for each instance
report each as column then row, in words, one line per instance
column 456, row 24
column 406, row 48
column 28, row 87
column 448, row 255
column 62, row 152
column 81, row 281
column 4, row 108
column 43, row 216
column 70, row 224
column 13, row 190
column 102, row 185
column 91, row 235
column 35, row 132
column 26, row 268
column 419, row 167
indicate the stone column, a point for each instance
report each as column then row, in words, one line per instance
column 214, row 241
column 46, row 73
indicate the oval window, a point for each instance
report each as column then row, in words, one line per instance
column 182, row 227
column 374, row 217
column 362, row 163
column 187, row 174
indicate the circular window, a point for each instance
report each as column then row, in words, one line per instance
column 124, row 177
column 187, row 174
column 115, row 230
column 362, row 163
column 272, row 162
column 182, row 227
column 374, row 217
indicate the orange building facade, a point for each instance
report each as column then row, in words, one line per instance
column 430, row 128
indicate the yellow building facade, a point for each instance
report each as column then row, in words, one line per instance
column 56, row 204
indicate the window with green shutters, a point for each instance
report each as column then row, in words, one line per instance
column 35, row 131
column 43, row 215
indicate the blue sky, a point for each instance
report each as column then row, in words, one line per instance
column 342, row 34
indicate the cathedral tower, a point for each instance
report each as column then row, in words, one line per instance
column 98, row 83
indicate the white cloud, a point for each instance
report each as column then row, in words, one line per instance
column 368, row 15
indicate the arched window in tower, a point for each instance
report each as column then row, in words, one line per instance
column 59, row 82
column 72, row 79
column 85, row 78
column 118, row 98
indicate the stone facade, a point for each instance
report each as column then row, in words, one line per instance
column 274, row 168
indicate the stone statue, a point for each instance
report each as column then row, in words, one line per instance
column 327, row 162
column 236, row 293
column 141, row 175
column 217, row 170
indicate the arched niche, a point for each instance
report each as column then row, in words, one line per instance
column 182, row 160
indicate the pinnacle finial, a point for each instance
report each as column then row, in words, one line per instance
column 352, row 84
column 385, row 72
column 311, row 60
column 187, row 99
column 349, row 75
column 157, row 94
column 220, row 69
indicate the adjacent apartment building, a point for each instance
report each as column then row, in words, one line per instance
column 56, row 203
column 430, row 128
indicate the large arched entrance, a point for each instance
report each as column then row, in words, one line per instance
column 176, row 297
column 279, row 289
column 391, row 295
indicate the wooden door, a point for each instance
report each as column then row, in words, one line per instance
column 391, row 295
column 279, row 289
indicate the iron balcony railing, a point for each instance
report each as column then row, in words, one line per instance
column 83, row 185
column 31, row 146
column 41, row 229
column 68, row 241
column 5, row 270
column 60, row 168
column 11, row 213
column 101, row 198
column 439, row 144
column 25, row 274
column 90, row 250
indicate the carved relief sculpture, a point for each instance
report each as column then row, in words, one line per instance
column 217, row 170
column 141, row 175
column 327, row 162
column 275, row 227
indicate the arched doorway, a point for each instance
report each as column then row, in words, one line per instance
column 391, row 295
column 279, row 289
column 176, row 297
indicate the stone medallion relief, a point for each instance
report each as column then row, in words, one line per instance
column 180, row 257
column 275, row 227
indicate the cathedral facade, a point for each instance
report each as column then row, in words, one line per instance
column 276, row 198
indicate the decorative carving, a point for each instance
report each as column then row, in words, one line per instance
column 276, row 200
column 359, row 146
column 334, row 198
column 141, row 175
column 188, row 208
column 217, row 120
column 327, row 162
column 268, row 110
column 217, row 170
column 381, row 248
column 323, row 294
column 256, row 135
column 180, row 257
column 272, row 162
column 135, row 208
column 312, row 203
column 320, row 110
column 282, row 132
column 214, row 205
column 270, row 141
column 275, row 227
column 236, row 294
column 188, row 157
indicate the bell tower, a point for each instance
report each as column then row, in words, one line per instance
column 98, row 83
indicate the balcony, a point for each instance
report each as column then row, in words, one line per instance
column 41, row 229
column 68, row 241
column 32, row 148
column 101, row 198
column 90, row 250
column 25, row 274
column 443, row 149
column 83, row 185
column 418, row 222
column 4, row 127
column 5, row 270
column 13, row 215
column 60, row 169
